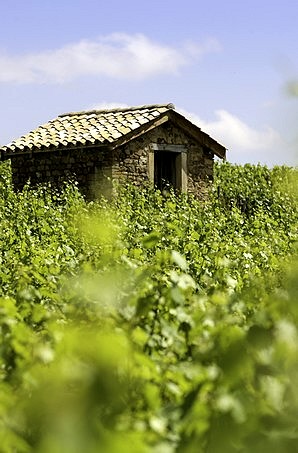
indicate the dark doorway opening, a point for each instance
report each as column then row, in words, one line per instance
column 165, row 170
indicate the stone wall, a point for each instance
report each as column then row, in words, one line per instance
column 94, row 168
column 131, row 161
column 88, row 167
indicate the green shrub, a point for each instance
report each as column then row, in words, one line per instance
column 148, row 323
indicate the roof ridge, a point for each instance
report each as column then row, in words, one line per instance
column 119, row 109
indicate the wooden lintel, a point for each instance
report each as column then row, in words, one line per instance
column 166, row 147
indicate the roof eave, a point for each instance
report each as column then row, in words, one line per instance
column 199, row 135
column 5, row 155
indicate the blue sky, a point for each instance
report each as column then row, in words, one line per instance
column 226, row 65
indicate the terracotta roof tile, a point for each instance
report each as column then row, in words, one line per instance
column 95, row 126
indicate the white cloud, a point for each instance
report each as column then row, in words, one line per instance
column 245, row 143
column 108, row 105
column 116, row 55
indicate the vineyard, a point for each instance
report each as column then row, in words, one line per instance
column 149, row 322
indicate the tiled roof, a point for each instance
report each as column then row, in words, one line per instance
column 87, row 128
column 103, row 127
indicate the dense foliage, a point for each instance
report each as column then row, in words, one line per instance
column 150, row 323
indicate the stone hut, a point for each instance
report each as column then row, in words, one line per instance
column 149, row 143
